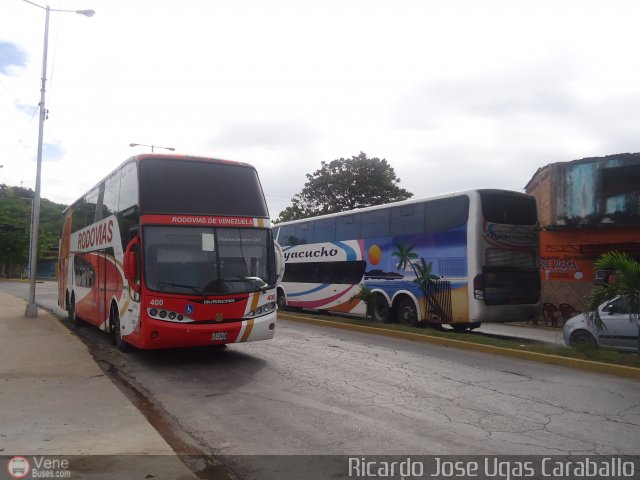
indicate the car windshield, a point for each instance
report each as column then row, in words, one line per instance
column 618, row 305
column 206, row 261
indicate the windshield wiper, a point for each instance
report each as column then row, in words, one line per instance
column 191, row 287
column 255, row 281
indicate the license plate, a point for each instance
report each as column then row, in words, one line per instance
column 218, row 336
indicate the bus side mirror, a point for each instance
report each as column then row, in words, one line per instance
column 279, row 262
column 130, row 265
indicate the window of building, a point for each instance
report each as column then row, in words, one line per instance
column 620, row 180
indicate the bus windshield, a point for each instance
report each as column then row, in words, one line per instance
column 190, row 187
column 508, row 208
column 206, row 261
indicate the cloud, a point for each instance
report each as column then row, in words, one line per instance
column 289, row 134
column 52, row 152
column 454, row 96
column 11, row 56
column 538, row 90
column 494, row 129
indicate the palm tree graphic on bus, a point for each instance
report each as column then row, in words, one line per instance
column 423, row 272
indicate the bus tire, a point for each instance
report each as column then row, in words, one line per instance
column 406, row 313
column 380, row 311
column 282, row 300
column 71, row 312
column 116, row 336
column 460, row 327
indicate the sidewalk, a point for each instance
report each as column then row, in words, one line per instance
column 55, row 400
column 538, row 333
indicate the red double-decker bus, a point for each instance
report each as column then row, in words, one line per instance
column 172, row 251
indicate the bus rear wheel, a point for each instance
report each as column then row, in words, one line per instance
column 380, row 309
column 460, row 327
column 406, row 313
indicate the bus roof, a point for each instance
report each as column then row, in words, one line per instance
column 144, row 156
column 403, row 202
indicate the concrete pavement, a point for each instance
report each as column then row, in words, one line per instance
column 55, row 400
column 592, row 366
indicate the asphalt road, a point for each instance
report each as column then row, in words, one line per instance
column 315, row 390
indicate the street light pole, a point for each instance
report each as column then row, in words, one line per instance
column 32, row 307
column 150, row 146
column 30, row 232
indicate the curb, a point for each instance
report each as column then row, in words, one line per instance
column 597, row 367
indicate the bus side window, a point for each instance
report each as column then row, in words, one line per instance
column 348, row 227
column 285, row 235
column 111, row 194
column 304, row 233
column 446, row 213
column 128, row 187
column 375, row 223
column 407, row 219
column 325, row 230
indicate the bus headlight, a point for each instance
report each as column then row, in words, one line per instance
column 166, row 315
column 262, row 310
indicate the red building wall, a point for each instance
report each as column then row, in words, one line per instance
column 567, row 257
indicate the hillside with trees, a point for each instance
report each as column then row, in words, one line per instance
column 15, row 225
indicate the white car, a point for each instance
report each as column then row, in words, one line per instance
column 620, row 331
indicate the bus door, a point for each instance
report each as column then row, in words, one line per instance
column 100, row 288
column 106, row 284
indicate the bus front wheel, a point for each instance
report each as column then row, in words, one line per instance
column 116, row 335
column 282, row 300
column 406, row 313
column 71, row 312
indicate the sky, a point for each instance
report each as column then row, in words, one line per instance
column 454, row 95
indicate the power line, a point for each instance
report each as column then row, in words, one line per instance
column 24, row 134
column 278, row 130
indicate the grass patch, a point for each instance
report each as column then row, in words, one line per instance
column 581, row 353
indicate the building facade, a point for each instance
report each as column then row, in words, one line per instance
column 586, row 207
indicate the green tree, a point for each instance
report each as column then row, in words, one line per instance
column 366, row 296
column 292, row 212
column 624, row 282
column 343, row 185
column 15, row 225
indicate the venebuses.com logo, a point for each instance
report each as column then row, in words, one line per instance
column 18, row 467
column 38, row 467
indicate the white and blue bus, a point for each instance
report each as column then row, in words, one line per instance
column 459, row 259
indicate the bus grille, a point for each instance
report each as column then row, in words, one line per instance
column 503, row 257
column 438, row 297
column 452, row 267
